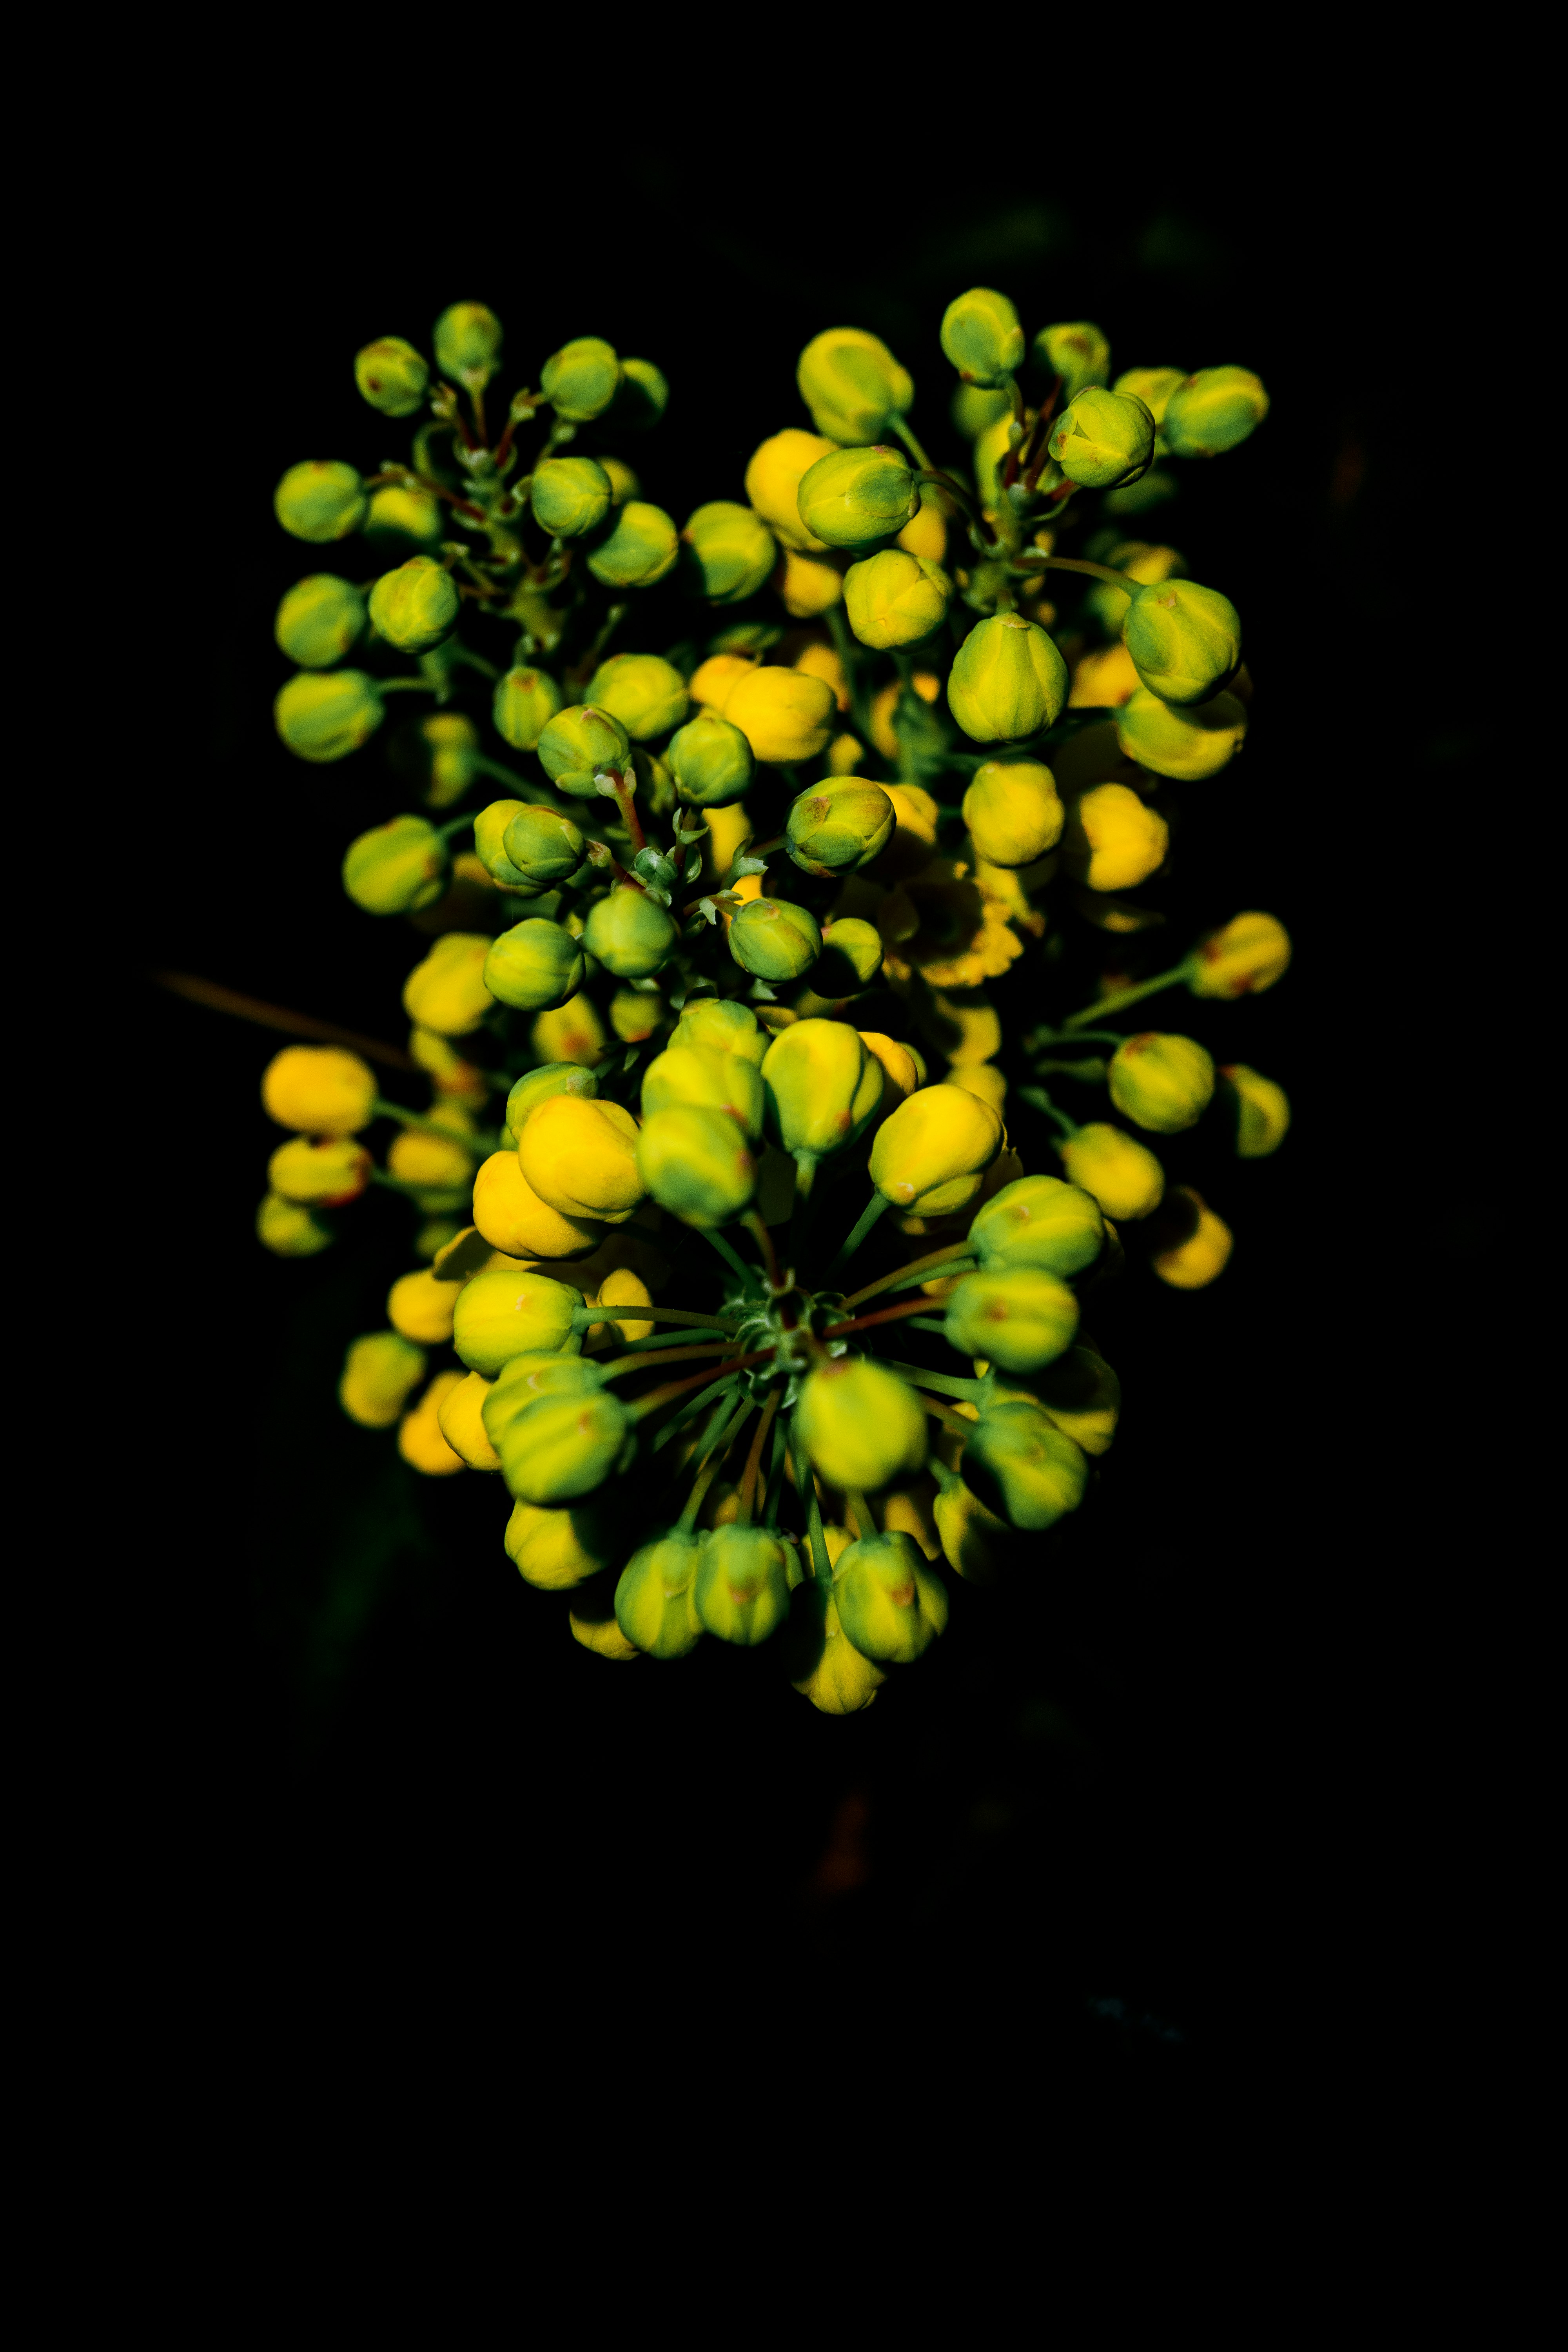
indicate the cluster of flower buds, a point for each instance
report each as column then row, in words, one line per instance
column 660, row 892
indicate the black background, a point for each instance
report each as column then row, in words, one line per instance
column 1142, row 1817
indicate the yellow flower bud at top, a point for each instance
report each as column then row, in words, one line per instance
column 420, row 1305
column 1104, row 680
column 1184, row 640
column 823, row 1086
column 325, row 715
column 1163, row 1082
column 896, row 598
column 639, row 550
column 852, row 384
column 927, row 533
column 729, row 1027
column 715, row 680
column 459, row 1416
column 862, row 1425
column 785, row 715
column 856, row 497
column 891, row 1607
column 1113, row 840
column 319, row 620
column 1077, row 351
column 644, row 691
column 290, row 1229
column 379, row 1371
column 809, row 587
column 392, row 375
column 580, row 1156
column 1190, row 743
column 930, row 1156
column 655, row 1598
column 1013, row 811
column 1008, row 680
column 447, row 993
column 416, row 607
column 1213, row 410
column 1191, row 1245
column 732, row 551
column 1248, row 956
column 324, row 1171
column 581, row 379
column 320, row 499
column 630, row 933
column 1262, row 1110
column 772, row 484
column 1103, row 438
column 512, row 1218
column 687, row 1074
column 570, row 1032
column 502, row 1312
column 982, row 336
column 319, row 1089
column 695, row 1162
column 1017, row 1316
column 468, row 338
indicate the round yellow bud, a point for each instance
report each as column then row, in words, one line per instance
column 715, row 680
column 551, row 1548
column 1113, row 840
column 772, row 484
column 823, row 661
column 1008, row 680
column 319, row 1089
column 459, row 1413
column 1163, row 1082
column 321, row 1171
column 1262, row 1110
column 416, row 1157
column 624, row 1286
column 1199, row 1245
column 290, row 1229
column 1122, row 1173
column 807, row 586
column 447, row 993
column 379, row 1371
column 1104, row 680
column 510, row 1215
column 1013, row 811
column 1244, row 958
column 1190, row 743
column 502, row 1312
column 570, row 1032
column 902, row 1071
column 580, row 1157
column 983, row 1080
column 930, row 1156
column 862, row 1424
column 420, row 1305
column 421, row 1440
column 785, row 715
column 896, row 598
column 926, row 534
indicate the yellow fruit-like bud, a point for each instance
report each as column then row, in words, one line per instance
column 1164, row 1083
column 983, row 1080
column 785, row 715
column 1191, row 743
column 823, row 1086
column 420, row 1305
column 580, row 1156
column 447, row 993
column 502, row 1313
column 1248, row 956
column 896, row 598
column 556, row 1551
column 460, row 1414
column 823, row 1665
column 319, row 1089
column 1262, row 1110
column 644, row 691
column 772, row 484
column 695, row 1164
column 1191, row 1245
column 1017, row 1316
column 422, row 1441
column 635, row 1014
column 416, row 1157
column 742, row 1583
column 844, row 755
column 852, row 383
column 321, row 1171
column 715, row 680
column 570, row 1032
column 1008, row 680
column 930, row 1156
column 511, row 1216
column 807, row 586
column 838, row 825
column 1122, row 1173
column 823, row 661
column 902, row 1071
column 1013, row 811
column 1104, row 680
column 289, row 1229
column 1082, row 1396
column 688, row 1076
column 974, row 1541
column 379, row 1371
column 594, row 1626
column 656, row 1599
column 927, row 533
column 890, row 1606
column 1113, row 840
column 862, row 1425
column 729, row 1027
column 623, row 1287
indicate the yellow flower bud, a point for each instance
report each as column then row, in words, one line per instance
column 644, row 691
column 1022, row 1467
column 635, row 1014
column 1248, row 956
column 705, row 1077
column 926, row 534
column 460, row 1414
column 891, row 1607
column 1262, row 1110
column 731, row 550
column 319, row 1172
column 319, row 620
column 902, row 1070
column 524, row 703
column 1163, row 1082
column 416, row 607
column 715, row 680
column 510, row 1215
column 1104, row 680
column 823, row 1086
column 1077, row 351
column 723, row 1024
column 1017, row 1316
column 655, row 1605
column 1191, row 1245
column 774, row 939
column 930, row 1155
column 845, row 755
column 1013, row 811
column 319, row 1089
column 1122, row 1173
column 624, row 1286
column 838, row 827
column 852, row 384
column 641, row 548
column 400, row 517
column 974, row 1541
column 379, row 1371
column 807, row 586
column 580, row 1156
column 502, row 1313
column 896, row 598
column 695, row 1164
column 1113, row 840
column 1081, row 1396
column 416, row 1157
column 420, row 1305
column 447, row 993
column 1103, row 438
column 421, row 1440
column 594, row 1626
column 863, row 1425
column 556, row 1549
column 983, row 1080
column 742, row 1583
column 785, row 715
column 570, row 1032
column 320, row 499
column 822, row 1665
column 1008, row 680
column 289, row 1229
column 1184, row 640
column 823, row 661
column 772, row 484
column 1190, row 743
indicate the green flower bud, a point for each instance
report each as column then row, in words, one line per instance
column 823, row 1086
column 775, row 940
column 695, row 1164
column 396, row 867
column 1103, row 438
column 639, row 550
column 541, row 846
column 1082, row 1396
column 732, row 1028
column 1164, row 1083
column 401, row 517
column 851, row 960
column 732, row 551
column 1212, row 411
column 467, row 344
column 416, row 607
column 1023, row 1468
column 824, row 1666
column 856, row 497
column 839, row 826
column 319, row 620
column 630, row 933
column 577, row 743
column 1185, row 641
column 1077, row 353
column 692, row 1076
column 535, row 965
column 1262, row 1110
column 742, row 1584
column 392, row 375
column 1019, row 1317
column 581, row 379
column 558, row 1550
column 644, row 691
column 711, row 761
column 1247, row 955
column 640, row 400
column 852, row 384
column 1152, row 387
column 656, row 1600
column 320, row 499
column 1189, row 744
column 290, row 1229
column 325, row 715
column 862, row 1424
column 438, row 754
column 931, row 1153
column 1040, row 1221
column 526, row 701
column 982, row 336
column 536, row 1086
column 1122, row 1173
column 623, row 483
column 974, row 410
column 502, row 1313
column 1008, row 680
column 895, row 599
column 379, row 1371
column 569, row 496
column 560, row 1448
column 890, row 1606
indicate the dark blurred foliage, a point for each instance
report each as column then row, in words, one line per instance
column 1128, row 1816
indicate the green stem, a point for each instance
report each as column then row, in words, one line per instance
column 397, row 1184
column 460, row 653
column 848, row 652
column 945, row 1383
column 406, row 686
column 484, row 766
column 821, row 1567
column 754, row 1462
column 1089, row 1073
column 1123, row 579
column 859, row 1511
column 1133, row 995
column 906, row 436
column 868, row 1215
column 731, row 1257
column 711, row 1448
column 948, row 1418
column 1040, row 1100
column 588, row 1315
column 936, row 1263
column 459, row 825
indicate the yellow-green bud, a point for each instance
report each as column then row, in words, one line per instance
column 379, row 1373
column 823, row 1086
column 1189, row 1245
column 973, row 409
column 319, row 620
column 1113, row 839
column 895, row 598
column 695, row 1164
column 541, row 844
column 861, row 1423
column 320, row 1172
column 690, row 1076
column 982, row 336
column 772, row 484
column 932, row 1151
column 525, row 701
column 416, row 607
column 851, row 960
column 401, row 516
column 857, row 497
column 1164, row 1083
column 644, row 691
column 839, row 826
column 1040, row 1221
column 1185, row 641
column 1078, row 353
column 561, row 1447
column 656, row 1600
column 1262, row 1110
column 732, row 551
column 577, row 743
column 1022, row 1467
column 290, row 1229
column 1008, row 680
column 623, row 483
column 320, row 499
column 742, row 1583
column 556, row 1550
column 890, row 1606
column 461, row 1416
column 824, row 1666
column 1248, row 956
column 1103, row 438
column 489, row 847
column 468, row 340
column 774, row 939
column 641, row 549
column 1190, row 743
column 439, row 753
column 1152, row 387
column 785, row 715
column 502, row 1313
column 581, row 378
column 1214, row 410
column 641, row 398
column 324, row 715
column 1017, row 1316
column 392, row 375
column 580, row 1156
column 569, row 496
column 318, row 1089
column 535, row 965
column 711, row 761
column 1122, row 1173
column 447, row 993
column 630, row 933
column 395, row 868
column 852, row 384
column 1081, row 1394
column 1014, row 811
column 536, row 1086
column 732, row 1028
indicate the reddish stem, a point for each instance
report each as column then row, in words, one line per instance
column 273, row 1016
column 754, row 1461
column 883, row 1314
